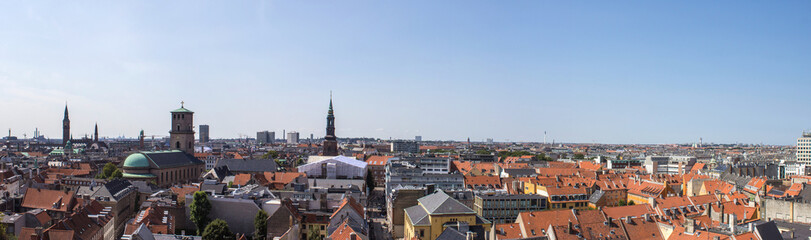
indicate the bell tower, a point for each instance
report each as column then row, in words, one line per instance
column 181, row 136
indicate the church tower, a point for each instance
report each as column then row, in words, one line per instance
column 96, row 134
column 65, row 127
column 181, row 137
column 330, row 141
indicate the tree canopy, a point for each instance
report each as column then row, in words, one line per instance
column 260, row 225
column 217, row 229
column 200, row 208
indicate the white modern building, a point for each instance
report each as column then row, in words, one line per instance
column 669, row 164
column 338, row 167
column 292, row 138
column 804, row 149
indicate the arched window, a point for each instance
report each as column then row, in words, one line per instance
column 177, row 144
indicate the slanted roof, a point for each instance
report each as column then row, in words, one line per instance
column 768, row 230
column 417, row 215
column 440, row 203
column 170, row 159
column 246, row 165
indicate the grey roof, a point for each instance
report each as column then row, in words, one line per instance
column 170, row 159
column 451, row 234
column 440, row 203
column 215, row 188
column 115, row 190
column 248, row 165
column 805, row 194
column 520, row 172
column 801, row 231
column 768, row 230
column 417, row 215
column 144, row 187
column 596, row 196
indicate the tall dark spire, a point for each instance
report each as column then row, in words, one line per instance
column 330, row 141
column 96, row 133
column 66, row 127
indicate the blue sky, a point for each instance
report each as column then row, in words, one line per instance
column 608, row 72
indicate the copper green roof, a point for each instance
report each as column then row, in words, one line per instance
column 136, row 160
column 182, row 110
column 138, row 175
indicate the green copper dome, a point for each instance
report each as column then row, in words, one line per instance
column 136, row 160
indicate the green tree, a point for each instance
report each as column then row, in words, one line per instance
column 631, row 203
column 543, row 157
column 260, row 225
column 370, row 180
column 216, row 230
column 107, row 171
column 270, row 155
column 482, row 151
column 116, row 174
column 623, row 202
column 314, row 234
column 200, row 208
column 579, row 156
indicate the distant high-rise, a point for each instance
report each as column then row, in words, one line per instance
column 330, row 141
column 204, row 134
column 181, row 136
column 804, row 149
column 292, row 137
column 265, row 137
column 65, row 127
column 489, row 141
column 418, row 138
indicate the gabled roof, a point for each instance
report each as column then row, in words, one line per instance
column 349, row 203
column 440, row 203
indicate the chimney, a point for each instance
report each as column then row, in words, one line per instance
column 721, row 208
column 751, row 227
column 647, row 217
column 429, row 189
column 716, row 238
column 569, row 228
column 628, row 219
column 690, row 225
column 732, row 222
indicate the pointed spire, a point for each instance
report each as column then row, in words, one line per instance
column 66, row 111
column 330, row 102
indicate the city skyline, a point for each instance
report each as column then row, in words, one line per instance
column 585, row 73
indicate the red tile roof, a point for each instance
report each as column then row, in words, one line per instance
column 50, row 200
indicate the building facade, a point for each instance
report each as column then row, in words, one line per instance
column 292, row 138
column 504, row 208
column 405, row 146
column 438, row 211
column 803, row 147
column 264, row 137
column 166, row 168
column 204, row 134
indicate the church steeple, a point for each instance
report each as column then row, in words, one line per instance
column 96, row 133
column 330, row 141
column 66, row 127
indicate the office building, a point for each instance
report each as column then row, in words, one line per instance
column 418, row 138
column 204, row 133
column 405, row 146
column 264, row 137
column 504, row 208
column 803, row 148
column 669, row 164
column 292, row 138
